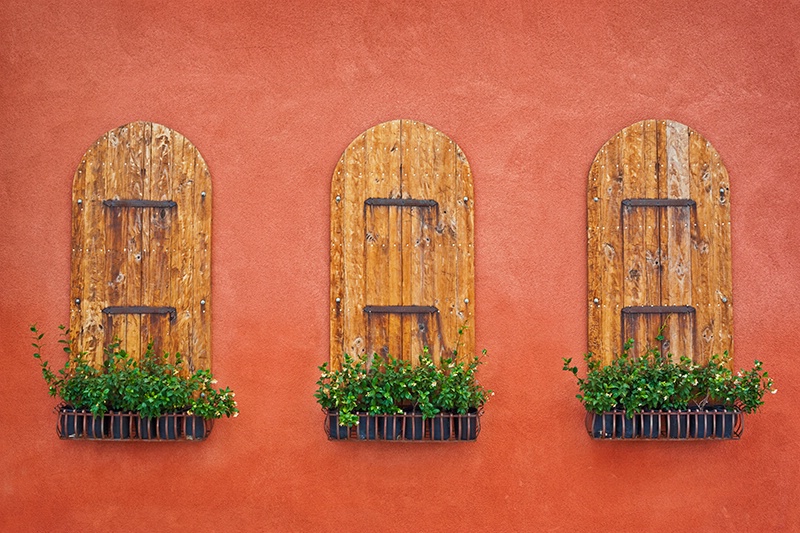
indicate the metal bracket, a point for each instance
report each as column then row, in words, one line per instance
column 658, row 202
column 401, row 309
column 141, row 310
column 401, row 202
column 656, row 309
column 140, row 203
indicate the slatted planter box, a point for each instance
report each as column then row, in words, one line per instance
column 406, row 427
column 713, row 423
column 119, row 426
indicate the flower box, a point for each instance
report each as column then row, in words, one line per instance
column 394, row 400
column 406, row 427
column 119, row 426
column 656, row 397
column 710, row 423
column 154, row 398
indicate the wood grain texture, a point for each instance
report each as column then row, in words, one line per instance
column 142, row 256
column 671, row 255
column 411, row 255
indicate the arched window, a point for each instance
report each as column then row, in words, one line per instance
column 401, row 245
column 141, row 245
column 659, row 243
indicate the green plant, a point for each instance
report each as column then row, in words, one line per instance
column 152, row 386
column 78, row 383
column 745, row 389
column 655, row 381
column 388, row 385
column 209, row 402
column 339, row 390
column 459, row 391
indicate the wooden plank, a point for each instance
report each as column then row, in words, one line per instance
column 394, row 290
column 633, row 218
column 77, row 248
column 661, row 158
column 463, row 203
column 201, row 303
column 413, row 148
column 637, row 268
column 676, row 237
column 650, row 165
column 445, row 253
column 132, row 187
column 608, row 253
column 157, row 230
column 95, row 249
column 182, row 268
column 721, row 296
column 594, row 287
column 377, row 279
column 353, row 249
column 116, row 224
column 337, row 266
column 425, row 242
column 676, row 270
column 702, row 238
column 382, row 160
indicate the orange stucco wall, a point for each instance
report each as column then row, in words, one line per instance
column 271, row 93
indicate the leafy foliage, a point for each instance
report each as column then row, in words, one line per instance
column 389, row 385
column 152, row 386
column 654, row 381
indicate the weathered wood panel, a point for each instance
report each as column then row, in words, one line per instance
column 142, row 255
column 659, row 254
column 415, row 250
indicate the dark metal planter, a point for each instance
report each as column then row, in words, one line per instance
column 390, row 427
column 366, row 427
column 121, row 426
column 332, row 427
column 414, row 426
column 406, row 427
column 442, row 426
column 77, row 424
column 710, row 423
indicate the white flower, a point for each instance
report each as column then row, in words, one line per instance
column 235, row 415
column 213, row 381
column 773, row 391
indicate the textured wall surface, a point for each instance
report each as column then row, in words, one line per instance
column 271, row 93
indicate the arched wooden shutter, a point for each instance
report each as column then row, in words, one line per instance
column 141, row 245
column 401, row 245
column 659, row 243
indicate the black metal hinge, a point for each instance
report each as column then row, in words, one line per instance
column 401, row 202
column 658, row 202
column 401, row 309
column 140, row 203
column 141, row 310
